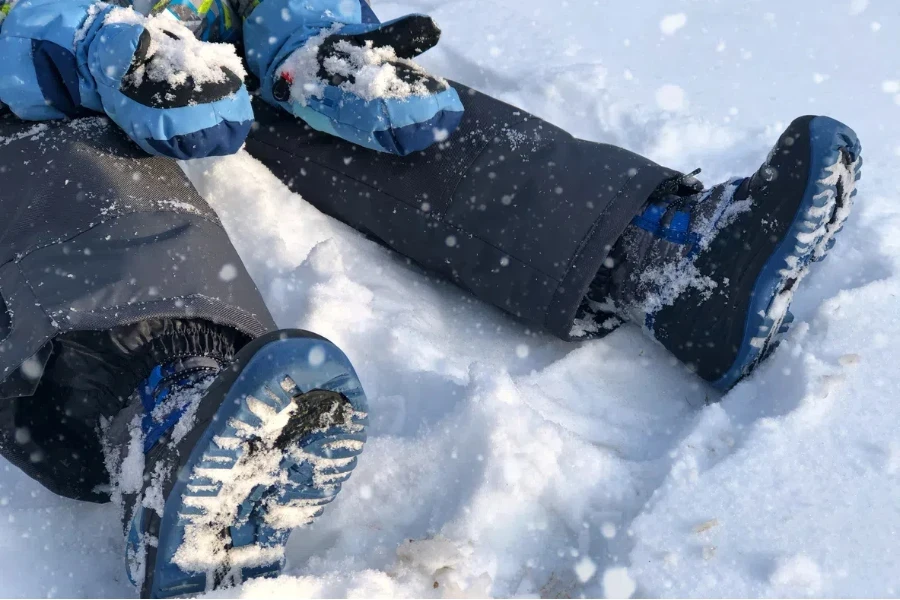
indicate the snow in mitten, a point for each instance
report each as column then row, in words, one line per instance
column 334, row 65
column 172, row 94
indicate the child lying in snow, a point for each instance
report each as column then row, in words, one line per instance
column 124, row 308
column 329, row 62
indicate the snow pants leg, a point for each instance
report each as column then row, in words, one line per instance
column 109, row 265
column 510, row 207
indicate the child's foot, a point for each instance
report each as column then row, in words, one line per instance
column 232, row 458
column 712, row 275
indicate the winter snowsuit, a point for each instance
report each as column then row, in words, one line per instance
column 111, row 263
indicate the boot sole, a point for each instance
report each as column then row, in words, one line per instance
column 827, row 201
column 279, row 435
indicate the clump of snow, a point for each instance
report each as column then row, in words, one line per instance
column 671, row 97
column 672, row 23
column 258, row 463
column 35, row 130
column 126, row 464
column 618, row 583
column 127, row 467
column 176, row 59
column 369, row 71
column 302, row 68
column 797, row 576
column 92, row 12
column 188, row 399
column 670, row 280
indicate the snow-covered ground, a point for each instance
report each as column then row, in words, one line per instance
column 502, row 461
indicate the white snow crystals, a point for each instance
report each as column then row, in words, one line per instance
column 671, row 279
column 672, row 23
column 671, row 98
column 824, row 231
column 618, row 583
column 174, row 59
column 797, row 576
column 368, row 70
column 202, row 549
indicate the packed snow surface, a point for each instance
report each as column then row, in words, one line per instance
column 502, row 461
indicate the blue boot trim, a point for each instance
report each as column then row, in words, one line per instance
column 819, row 217
column 162, row 381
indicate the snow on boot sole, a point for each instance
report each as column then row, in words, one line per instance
column 760, row 266
column 826, row 204
column 275, row 436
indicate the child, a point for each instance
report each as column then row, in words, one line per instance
column 138, row 361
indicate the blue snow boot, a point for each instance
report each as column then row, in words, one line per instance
column 711, row 274
column 215, row 464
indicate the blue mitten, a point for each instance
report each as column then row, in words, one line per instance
column 331, row 63
column 173, row 95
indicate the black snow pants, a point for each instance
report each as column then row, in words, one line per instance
column 110, row 262
column 511, row 208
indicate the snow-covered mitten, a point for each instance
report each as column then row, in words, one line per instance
column 173, row 95
column 711, row 274
column 334, row 65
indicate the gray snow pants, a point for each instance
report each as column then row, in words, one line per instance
column 109, row 265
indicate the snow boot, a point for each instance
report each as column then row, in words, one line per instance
column 711, row 274
column 214, row 465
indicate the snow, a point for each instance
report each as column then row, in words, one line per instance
column 171, row 59
column 672, row 23
column 617, row 583
column 670, row 97
column 507, row 471
column 367, row 71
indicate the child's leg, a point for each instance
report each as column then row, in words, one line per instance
column 80, row 199
column 234, row 433
column 511, row 208
column 711, row 275
column 577, row 237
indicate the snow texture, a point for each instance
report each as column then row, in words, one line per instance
column 369, row 71
column 507, row 471
column 202, row 549
column 173, row 59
